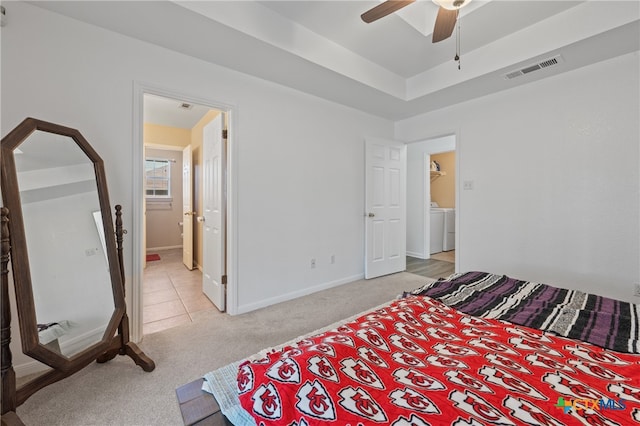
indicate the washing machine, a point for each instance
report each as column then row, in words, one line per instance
column 449, row 242
column 437, row 230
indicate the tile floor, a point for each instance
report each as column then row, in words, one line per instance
column 171, row 293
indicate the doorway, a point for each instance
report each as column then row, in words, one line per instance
column 431, row 198
column 173, row 295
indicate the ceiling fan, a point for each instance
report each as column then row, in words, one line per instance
column 445, row 21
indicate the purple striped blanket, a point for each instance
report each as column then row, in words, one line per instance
column 599, row 320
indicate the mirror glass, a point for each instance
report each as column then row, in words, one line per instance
column 64, row 234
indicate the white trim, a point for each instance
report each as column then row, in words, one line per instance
column 295, row 294
column 164, row 147
column 139, row 89
column 149, row 249
column 416, row 255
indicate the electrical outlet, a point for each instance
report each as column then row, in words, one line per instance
column 636, row 291
column 313, row 263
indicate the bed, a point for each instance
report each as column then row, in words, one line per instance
column 472, row 349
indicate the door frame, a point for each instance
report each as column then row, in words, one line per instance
column 134, row 297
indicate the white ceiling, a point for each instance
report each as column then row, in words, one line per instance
column 170, row 112
column 387, row 68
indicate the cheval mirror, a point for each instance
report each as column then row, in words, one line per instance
column 66, row 259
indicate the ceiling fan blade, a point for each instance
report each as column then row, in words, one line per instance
column 384, row 9
column 445, row 23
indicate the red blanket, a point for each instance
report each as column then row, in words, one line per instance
column 419, row 362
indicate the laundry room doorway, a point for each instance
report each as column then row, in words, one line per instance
column 431, row 207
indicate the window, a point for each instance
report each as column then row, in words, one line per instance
column 157, row 178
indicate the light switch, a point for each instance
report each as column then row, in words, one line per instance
column 467, row 185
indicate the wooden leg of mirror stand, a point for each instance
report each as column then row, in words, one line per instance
column 9, row 403
column 121, row 344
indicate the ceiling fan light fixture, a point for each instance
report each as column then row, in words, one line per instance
column 451, row 4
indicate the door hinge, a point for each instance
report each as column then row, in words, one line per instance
column 224, row 134
column 224, row 279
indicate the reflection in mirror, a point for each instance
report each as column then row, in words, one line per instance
column 72, row 289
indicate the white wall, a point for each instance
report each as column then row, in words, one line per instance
column 555, row 171
column 300, row 159
column 418, row 192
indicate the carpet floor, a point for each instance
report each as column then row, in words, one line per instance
column 120, row 393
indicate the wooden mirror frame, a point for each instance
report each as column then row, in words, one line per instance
column 111, row 343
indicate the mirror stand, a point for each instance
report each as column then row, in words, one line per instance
column 120, row 344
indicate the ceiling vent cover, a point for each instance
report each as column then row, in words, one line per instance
column 546, row 63
column 185, row 105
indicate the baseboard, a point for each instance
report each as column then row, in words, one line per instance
column 83, row 341
column 29, row 368
column 149, row 249
column 243, row 309
column 417, row 255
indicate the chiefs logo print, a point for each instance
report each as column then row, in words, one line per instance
column 285, row 370
column 474, row 321
column 411, row 421
column 446, row 362
column 324, row 348
column 321, row 367
column 473, row 404
column 539, row 360
column 405, row 343
column 370, row 355
column 340, row 338
column 407, row 359
column 361, row 373
column 266, row 402
column 416, row 379
column 596, row 370
column 596, row 356
column 477, row 332
column 244, row 381
column 509, row 382
column 301, row 422
column 462, row 379
column 533, row 345
column 625, row 391
column 412, row 400
column 492, row 345
column 435, row 320
column 529, row 334
column 441, row 334
column 408, row 330
column 506, row 363
column 374, row 338
column 565, row 385
column 360, row 403
column 376, row 324
column 407, row 317
column 636, row 415
column 453, row 350
column 314, row 401
column 528, row 413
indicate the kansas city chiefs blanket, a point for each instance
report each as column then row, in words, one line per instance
column 419, row 362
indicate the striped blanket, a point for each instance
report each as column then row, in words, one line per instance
column 599, row 320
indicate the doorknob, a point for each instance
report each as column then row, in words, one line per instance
column 200, row 218
column 189, row 213
column 371, row 214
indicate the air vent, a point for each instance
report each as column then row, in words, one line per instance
column 550, row 62
column 185, row 105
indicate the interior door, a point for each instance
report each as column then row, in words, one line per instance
column 385, row 201
column 187, row 209
column 213, row 215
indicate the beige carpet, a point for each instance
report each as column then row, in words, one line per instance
column 120, row 393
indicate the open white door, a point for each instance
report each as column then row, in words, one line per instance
column 385, row 203
column 214, row 210
column 187, row 209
